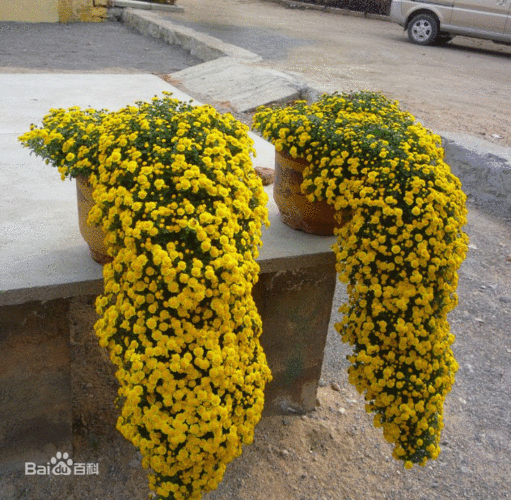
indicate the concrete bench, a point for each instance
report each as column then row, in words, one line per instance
column 294, row 297
column 44, row 263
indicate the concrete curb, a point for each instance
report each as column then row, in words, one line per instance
column 203, row 46
column 484, row 170
column 146, row 6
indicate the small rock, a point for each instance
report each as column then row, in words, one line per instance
column 463, row 401
column 341, row 410
column 318, row 402
column 480, row 320
column 506, row 300
column 335, row 387
column 322, row 383
column 304, row 417
column 267, row 175
column 465, row 470
column 284, row 453
column 496, row 136
column 472, row 246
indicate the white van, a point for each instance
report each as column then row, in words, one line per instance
column 438, row 21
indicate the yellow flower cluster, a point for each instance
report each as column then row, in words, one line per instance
column 68, row 139
column 182, row 208
column 398, row 252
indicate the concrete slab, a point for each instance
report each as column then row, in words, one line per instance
column 25, row 98
column 40, row 244
column 42, row 255
column 244, row 87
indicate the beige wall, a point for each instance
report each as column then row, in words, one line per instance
column 52, row 11
column 29, row 10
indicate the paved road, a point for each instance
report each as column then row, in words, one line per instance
column 462, row 87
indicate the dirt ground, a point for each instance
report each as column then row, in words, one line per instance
column 334, row 453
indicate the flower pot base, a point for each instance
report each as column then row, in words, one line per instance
column 94, row 236
column 302, row 225
column 296, row 211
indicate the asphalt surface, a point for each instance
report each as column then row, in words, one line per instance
column 109, row 47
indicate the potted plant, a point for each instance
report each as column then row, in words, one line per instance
column 182, row 209
column 69, row 140
column 398, row 251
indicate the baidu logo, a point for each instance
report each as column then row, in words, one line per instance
column 60, row 465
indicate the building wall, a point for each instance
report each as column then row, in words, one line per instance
column 42, row 11
column 52, row 11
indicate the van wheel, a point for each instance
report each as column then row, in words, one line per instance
column 423, row 29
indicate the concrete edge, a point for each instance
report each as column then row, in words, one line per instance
column 203, row 46
column 50, row 292
column 134, row 4
column 95, row 287
column 484, row 170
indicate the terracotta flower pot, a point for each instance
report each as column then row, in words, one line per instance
column 296, row 210
column 94, row 236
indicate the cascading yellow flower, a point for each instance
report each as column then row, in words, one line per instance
column 398, row 252
column 182, row 208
